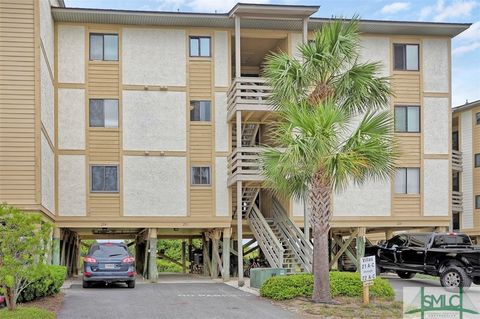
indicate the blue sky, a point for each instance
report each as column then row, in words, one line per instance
column 466, row 47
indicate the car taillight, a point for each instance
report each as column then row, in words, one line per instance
column 128, row 260
column 131, row 273
column 87, row 274
column 89, row 260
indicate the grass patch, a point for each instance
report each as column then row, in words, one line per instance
column 342, row 284
column 27, row 313
column 348, row 307
column 427, row 277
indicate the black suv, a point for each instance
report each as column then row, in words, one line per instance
column 450, row 256
column 108, row 262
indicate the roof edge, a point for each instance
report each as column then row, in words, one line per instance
column 466, row 106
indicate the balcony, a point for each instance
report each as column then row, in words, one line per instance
column 457, row 199
column 457, row 160
column 244, row 165
column 249, row 94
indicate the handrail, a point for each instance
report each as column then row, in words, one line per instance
column 457, row 159
column 248, row 90
column 457, row 201
column 268, row 242
column 293, row 236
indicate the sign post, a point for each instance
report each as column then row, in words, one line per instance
column 367, row 274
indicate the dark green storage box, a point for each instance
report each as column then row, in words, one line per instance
column 259, row 275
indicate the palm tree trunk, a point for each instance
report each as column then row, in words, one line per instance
column 320, row 202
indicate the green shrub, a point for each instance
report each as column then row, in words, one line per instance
column 27, row 313
column 346, row 284
column 166, row 266
column 49, row 283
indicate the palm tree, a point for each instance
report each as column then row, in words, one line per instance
column 333, row 129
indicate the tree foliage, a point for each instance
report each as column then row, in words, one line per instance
column 24, row 246
column 335, row 128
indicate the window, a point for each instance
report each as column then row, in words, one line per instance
column 103, row 113
column 104, row 178
column 407, row 119
column 200, row 111
column 407, row 181
column 200, row 46
column 200, row 175
column 405, row 57
column 103, row 47
column 418, row 240
column 456, row 182
column 455, row 141
column 477, row 202
column 397, row 241
column 477, row 117
column 477, row 160
column 455, row 221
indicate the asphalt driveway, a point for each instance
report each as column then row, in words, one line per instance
column 167, row 300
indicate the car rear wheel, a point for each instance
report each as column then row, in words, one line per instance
column 131, row 284
column 406, row 274
column 455, row 277
column 85, row 284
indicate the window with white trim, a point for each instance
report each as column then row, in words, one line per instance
column 200, row 175
column 103, row 113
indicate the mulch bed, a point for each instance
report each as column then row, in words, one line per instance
column 50, row 303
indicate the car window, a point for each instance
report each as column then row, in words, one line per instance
column 418, row 240
column 453, row 239
column 105, row 251
column 399, row 240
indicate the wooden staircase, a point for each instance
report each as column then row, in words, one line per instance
column 249, row 135
column 290, row 261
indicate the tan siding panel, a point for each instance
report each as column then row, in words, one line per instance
column 409, row 148
column 476, row 171
column 406, row 88
column 104, row 205
column 200, row 77
column 103, row 79
column 201, row 201
column 406, row 206
column 201, row 143
column 104, row 145
column 17, row 102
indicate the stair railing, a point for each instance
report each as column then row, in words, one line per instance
column 293, row 236
column 268, row 242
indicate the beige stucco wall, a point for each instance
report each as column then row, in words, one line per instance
column 71, row 119
column 154, row 56
column 71, row 54
column 221, row 188
column 48, row 175
column 298, row 207
column 370, row 199
column 466, row 146
column 221, row 58
column 154, row 120
column 221, row 124
column 154, row 186
column 71, row 185
column 46, row 99
column 435, row 65
column 436, row 125
column 376, row 49
column 47, row 30
column 436, row 186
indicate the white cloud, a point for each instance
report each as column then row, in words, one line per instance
column 395, row 7
column 472, row 33
column 455, row 9
column 466, row 48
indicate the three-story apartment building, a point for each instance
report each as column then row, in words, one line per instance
column 145, row 125
column 465, row 168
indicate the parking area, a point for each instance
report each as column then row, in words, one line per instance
column 170, row 299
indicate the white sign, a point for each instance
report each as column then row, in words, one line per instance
column 368, row 268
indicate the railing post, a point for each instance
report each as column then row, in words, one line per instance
column 240, row 234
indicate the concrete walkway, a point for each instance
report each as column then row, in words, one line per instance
column 174, row 296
